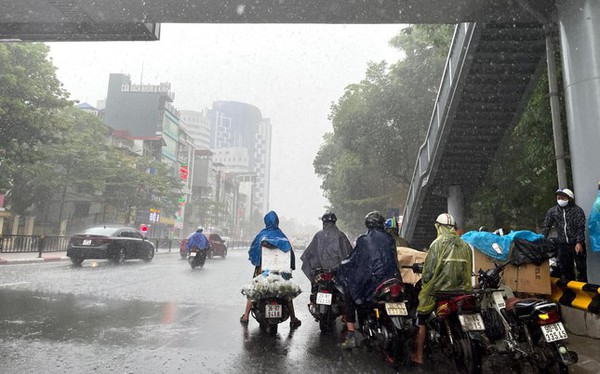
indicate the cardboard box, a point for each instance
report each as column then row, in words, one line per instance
column 528, row 278
column 406, row 257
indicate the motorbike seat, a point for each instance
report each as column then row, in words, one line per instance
column 521, row 307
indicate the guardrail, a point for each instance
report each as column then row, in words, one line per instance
column 457, row 57
column 43, row 244
column 33, row 243
column 577, row 295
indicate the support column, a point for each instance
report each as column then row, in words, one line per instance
column 29, row 225
column 15, row 224
column 456, row 205
column 579, row 24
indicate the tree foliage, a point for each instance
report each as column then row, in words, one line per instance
column 30, row 98
column 519, row 187
column 366, row 163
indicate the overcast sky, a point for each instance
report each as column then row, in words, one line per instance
column 292, row 73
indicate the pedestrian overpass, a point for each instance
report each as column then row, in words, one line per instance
column 494, row 61
column 490, row 73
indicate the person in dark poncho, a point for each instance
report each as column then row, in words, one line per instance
column 328, row 248
column 272, row 235
column 371, row 263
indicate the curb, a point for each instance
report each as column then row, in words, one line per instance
column 19, row 261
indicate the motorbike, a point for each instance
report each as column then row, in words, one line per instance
column 197, row 257
column 387, row 323
column 270, row 311
column 530, row 330
column 326, row 299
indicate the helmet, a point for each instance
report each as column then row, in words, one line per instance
column 200, row 229
column 329, row 217
column 374, row 220
column 391, row 223
column 565, row 191
column 445, row 219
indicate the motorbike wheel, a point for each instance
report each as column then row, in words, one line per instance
column 325, row 325
column 273, row 330
column 397, row 353
column 465, row 357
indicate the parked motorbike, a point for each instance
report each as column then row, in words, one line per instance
column 326, row 299
column 387, row 324
column 197, row 257
column 530, row 329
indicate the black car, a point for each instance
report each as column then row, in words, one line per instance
column 113, row 243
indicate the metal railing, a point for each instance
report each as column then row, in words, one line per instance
column 457, row 58
column 33, row 243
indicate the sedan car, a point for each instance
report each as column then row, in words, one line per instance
column 113, row 243
column 217, row 246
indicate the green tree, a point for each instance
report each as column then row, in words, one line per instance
column 30, row 98
column 378, row 126
column 519, row 188
column 134, row 182
column 70, row 167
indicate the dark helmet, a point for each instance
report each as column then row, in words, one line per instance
column 374, row 220
column 329, row 217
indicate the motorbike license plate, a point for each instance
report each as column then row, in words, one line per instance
column 192, row 254
column 396, row 309
column 471, row 322
column 324, row 298
column 87, row 242
column 273, row 311
column 554, row 332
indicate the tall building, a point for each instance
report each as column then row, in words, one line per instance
column 147, row 113
column 236, row 126
column 197, row 125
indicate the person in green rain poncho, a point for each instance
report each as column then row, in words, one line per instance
column 447, row 267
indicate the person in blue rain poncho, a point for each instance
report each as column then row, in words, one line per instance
column 272, row 235
column 372, row 262
column 198, row 241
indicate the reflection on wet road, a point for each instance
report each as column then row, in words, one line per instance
column 160, row 317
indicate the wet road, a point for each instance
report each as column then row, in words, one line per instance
column 160, row 317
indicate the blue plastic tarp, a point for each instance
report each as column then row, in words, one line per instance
column 496, row 246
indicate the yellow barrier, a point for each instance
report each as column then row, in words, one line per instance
column 575, row 294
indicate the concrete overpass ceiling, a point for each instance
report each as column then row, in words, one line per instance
column 59, row 18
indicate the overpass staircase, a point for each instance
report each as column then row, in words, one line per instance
column 489, row 76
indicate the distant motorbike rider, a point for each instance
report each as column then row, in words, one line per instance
column 391, row 227
column 328, row 248
column 447, row 267
column 273, row 235
column 569, row 221
column 372, row 262
column 198, row 240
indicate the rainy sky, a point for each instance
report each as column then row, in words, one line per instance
column 292, row 73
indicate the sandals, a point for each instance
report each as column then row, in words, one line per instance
column 243, row 321
column 295, row 324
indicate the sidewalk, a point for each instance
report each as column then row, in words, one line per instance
column 32, row 257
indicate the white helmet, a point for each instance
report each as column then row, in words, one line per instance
column 565, row 191
column 446, row 219
column 200, row 229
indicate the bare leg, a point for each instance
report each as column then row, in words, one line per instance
column 247, row 311
column 417, row 357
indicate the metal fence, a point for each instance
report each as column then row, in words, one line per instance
column 32, row 243
column 172, row 245
column 42, row 244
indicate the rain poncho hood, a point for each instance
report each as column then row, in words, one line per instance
column 328, row 248
column 272, row 235
column 372, row 262
column 447, row 267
